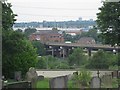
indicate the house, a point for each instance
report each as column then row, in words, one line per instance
column 47, row 36
column 86, row 40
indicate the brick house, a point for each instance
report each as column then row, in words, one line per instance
column 47, row 36
column 86, row 40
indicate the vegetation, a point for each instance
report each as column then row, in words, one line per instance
column 77, row 58
column 29, row 31
column 18, row 54
column 41, row 51
column 54, row 28
column 81, row 80
column 91, row 33
column 49, row 62
column 102, row 60
column 43, row 84
column 108, row 21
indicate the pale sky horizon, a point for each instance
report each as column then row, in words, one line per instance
column 55, row 10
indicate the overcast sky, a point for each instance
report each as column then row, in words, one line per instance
column 55, row 10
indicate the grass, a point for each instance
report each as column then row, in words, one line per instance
column 43, row 84
column 70, row 84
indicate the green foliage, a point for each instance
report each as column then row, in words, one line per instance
column 83, row 78
column 108, row 21
column 41, row 64
column 102, row 60
column 40, row 48
column 68, row 37
column 29, row 31
column 91, row 33
column 19, row 30
column 77, row 58
column 18, row 54
column 63, row 65
column 49, row 62
column 118, row 60
column 115, row 82
column 8, row 17
column 54, row 28
column 43, row 84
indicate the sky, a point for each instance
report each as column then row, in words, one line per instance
column 55, row 10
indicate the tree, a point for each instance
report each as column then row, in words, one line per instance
column 8, row 16
column 41, row 64
column 18, row 53
column 77, row 57
column 68, row 37
column 93, row 33
column 29, row 31
column 108, row 21
column 40, row 48
column 54, row 28
column 19, row 30
column 100, row 59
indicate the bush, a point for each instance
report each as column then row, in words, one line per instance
column 83, row 78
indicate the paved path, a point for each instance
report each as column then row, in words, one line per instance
column 50, row 74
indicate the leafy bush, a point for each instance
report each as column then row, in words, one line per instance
column 77, row 58
column 102, row 60
column 83, row 78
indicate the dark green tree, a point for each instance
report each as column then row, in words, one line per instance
column 8, row 17
column 77, row 58
column 18, row 53
column 40, row 48
column 54, row 28
column 29, row 31
column 48, row 62
column 100, row 60
column 19, row 30
column 108, row 21
column 41, row 64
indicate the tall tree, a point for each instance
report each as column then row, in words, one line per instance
column 77, row 57
column 8, row 17
column 18, row 54
column 102, row 60
column 108, row 21
column 41, row 51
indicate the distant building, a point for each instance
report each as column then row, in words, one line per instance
column 47, row 36
column 80, row 19
column 91, row 20
column 86, row 40
column 73, row 32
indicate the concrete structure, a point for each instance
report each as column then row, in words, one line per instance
column 95, row 82
column 58, row 82
column 64, row 49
